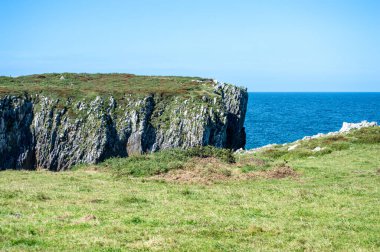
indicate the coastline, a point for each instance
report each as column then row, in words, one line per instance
column 346, row 128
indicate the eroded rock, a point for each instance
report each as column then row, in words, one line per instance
column 43, row 132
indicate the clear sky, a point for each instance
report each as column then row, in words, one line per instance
column 298, row 45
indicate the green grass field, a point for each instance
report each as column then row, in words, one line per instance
column 332, row 204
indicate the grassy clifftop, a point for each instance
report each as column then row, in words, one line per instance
column 66, row 119
column 83, row 85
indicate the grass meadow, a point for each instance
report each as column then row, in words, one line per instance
column 329, row 203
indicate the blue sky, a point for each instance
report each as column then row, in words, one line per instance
column 305, row 45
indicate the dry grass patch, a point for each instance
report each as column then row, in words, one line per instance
column 198, row 170
column 211, row 170
column 278, row 172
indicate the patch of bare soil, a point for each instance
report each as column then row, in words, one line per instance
column 211, row 170
column 199, row 170
column 280, row 172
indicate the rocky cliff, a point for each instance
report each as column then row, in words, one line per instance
column 55, row 131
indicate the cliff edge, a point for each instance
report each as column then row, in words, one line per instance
column 55, row 121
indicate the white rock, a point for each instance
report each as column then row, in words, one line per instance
column 346, row 127
column 316, row 149
column 62, row 78
column 318, row 135
column 239, row 151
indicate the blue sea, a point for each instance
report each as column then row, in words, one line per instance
column 286, row 117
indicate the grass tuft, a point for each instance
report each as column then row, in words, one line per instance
column 41, row 196
column 132, row 200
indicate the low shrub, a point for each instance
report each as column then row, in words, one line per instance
column 225, row 155
column 326, row 150
column 41, row 196
column 248, row 168
column 340, row 146
column 164, row 161
column 366, row 135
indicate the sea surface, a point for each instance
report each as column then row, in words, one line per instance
column 286, row 117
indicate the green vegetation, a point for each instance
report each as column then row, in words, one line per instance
column 164, row 161
column 89, row 85
column 327, row 144
column 330, row 204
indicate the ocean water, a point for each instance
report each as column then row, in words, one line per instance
column 286, row 117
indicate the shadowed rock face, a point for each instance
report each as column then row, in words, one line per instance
column 42, row 132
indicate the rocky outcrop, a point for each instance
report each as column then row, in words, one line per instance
column 38, row 131
column 346, row 127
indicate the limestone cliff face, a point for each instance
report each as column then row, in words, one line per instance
column 38, row 131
